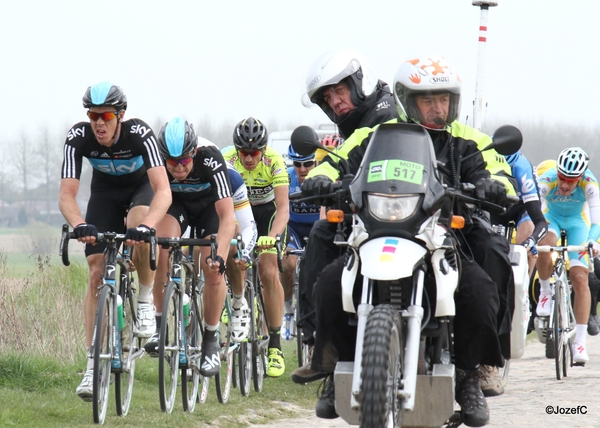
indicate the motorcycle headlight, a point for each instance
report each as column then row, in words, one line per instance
column 392, row 208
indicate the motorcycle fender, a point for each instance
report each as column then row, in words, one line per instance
column 389, row 258
column 348, row 278
column 446, row 280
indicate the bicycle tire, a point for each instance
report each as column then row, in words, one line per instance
column 559, row 330
column 190, row 374
column 169, row 345
column 130, row 344
column 245, row 352
column 261, row 342
column 223, row 379
column 102, row 351
column 204, row 382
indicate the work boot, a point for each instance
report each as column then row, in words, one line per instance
column 490, row 381
column 326, row 404
column 593, row 328
column 474, row 408
column 305, row 374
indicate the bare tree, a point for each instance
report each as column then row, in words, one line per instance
column 48, row 153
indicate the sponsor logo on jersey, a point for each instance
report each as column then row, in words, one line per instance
column 104, row 155
column 189, row 187
column 117, row 167
column 76, row 132
column 140, row 129
column 211, row 163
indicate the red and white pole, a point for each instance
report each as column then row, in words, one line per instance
column 478, row 106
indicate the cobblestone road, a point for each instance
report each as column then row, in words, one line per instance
column 532, row 397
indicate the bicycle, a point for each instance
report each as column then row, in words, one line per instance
column 296, row 331
column 560, row 325
column 114, row 348
column 180, row 335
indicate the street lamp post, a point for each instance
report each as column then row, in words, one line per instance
column 484, row 5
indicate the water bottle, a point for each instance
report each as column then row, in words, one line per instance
column 288, row 321
column 186, row 309
column 120, row 312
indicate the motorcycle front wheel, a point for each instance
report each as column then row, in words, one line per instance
column 382, row 365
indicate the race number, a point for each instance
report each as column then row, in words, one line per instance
column 395, row 170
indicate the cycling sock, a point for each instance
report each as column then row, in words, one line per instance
column 274, row 338
column 146, row 293
column 545, row 286
column 158, row 318
column 580, row 333
column 90, row 364
column 238, row 296
column 210, row 332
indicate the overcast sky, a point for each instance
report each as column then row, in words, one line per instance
column 226, row 60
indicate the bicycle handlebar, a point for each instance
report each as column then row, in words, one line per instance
column 589, row 248
column 66, row 236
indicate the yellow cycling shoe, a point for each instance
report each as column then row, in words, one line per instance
column 276, row 366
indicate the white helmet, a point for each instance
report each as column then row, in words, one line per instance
column 333, row 67
column 572, row 162
column 427, row 75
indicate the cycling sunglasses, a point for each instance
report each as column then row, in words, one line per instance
column 182, row 161
column 305, row 164
column 568, row 179
column 106, row 116
column 244, row 153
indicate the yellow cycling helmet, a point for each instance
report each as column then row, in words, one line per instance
column 545, row 166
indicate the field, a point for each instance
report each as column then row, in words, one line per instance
column 42, row 355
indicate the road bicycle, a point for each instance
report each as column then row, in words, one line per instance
column 181, row 332
column 560, row 325
column 115, row 348
column 296, row 330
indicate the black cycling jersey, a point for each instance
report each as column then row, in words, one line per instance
column 124, row 163
column 207, row 183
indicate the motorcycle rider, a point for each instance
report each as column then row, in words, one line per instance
column 344, row 86
column 482, row 310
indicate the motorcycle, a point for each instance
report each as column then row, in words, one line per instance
column 403, row 244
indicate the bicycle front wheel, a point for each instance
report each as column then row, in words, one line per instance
column 260, row 342
column 560, row 331
column 223, row 379
column 190, row 376
column 130, row 345
column 102, row 350
column 168, row 348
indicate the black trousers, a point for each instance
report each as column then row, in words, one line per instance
column 477, row 324
column 320, row 251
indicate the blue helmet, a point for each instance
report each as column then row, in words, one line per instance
column 176, row 138
column 512, row 159
column 297, row 156
column 105, row 94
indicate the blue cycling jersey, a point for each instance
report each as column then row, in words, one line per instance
column 301, row 212
column 526, row 184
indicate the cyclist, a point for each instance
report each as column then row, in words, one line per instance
column 345, row 87
column 302, row 217
column 264, row 172
column 565, row 190
column 201, row 197
column 129, row 181
column 486, row 276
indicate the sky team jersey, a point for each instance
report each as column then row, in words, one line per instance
column 301, row 212
column 572, row 205
column 522, row 171
column 261, row 181
column 122, row 164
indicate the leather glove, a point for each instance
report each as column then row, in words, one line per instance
column 83, row 229
column 140, row 233
column 319, row 186
column 491, row 190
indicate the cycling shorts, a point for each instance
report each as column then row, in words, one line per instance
column 107, row 209
column 205, row 222
column 577, row 234
column 263, row 216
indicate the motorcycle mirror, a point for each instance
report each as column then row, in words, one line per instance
column 507, row 140
column 305, row 140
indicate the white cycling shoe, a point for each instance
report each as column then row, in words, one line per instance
column 240, row 320
column 580, row 355
column 84, row 390
column 146, row 322
column 544, row 305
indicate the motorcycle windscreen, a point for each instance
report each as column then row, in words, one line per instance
column 399, row 160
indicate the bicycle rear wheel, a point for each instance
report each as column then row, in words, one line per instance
column 102, row 350
column 168, row 348
column 130, row 345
